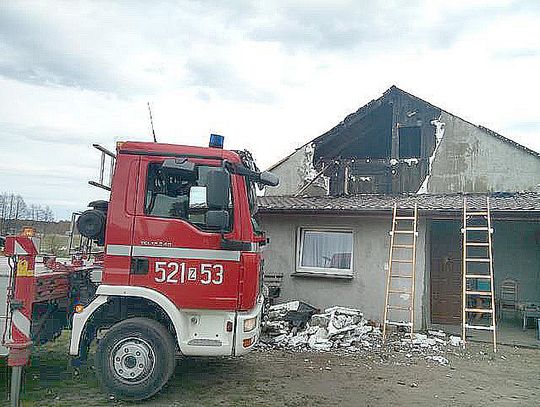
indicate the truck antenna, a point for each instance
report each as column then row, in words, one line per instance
column 152, row 122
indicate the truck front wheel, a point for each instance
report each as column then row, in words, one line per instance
column 135, row 359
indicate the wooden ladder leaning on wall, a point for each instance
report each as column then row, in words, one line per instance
column 400, row 284
column 478, row 224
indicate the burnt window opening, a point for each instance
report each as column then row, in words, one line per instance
column 409, row 142
column 367, row 137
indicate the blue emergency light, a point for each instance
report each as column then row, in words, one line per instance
column 216, row 141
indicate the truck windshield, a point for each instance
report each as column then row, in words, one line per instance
column 179, row 194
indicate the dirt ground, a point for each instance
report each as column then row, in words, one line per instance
column 476, row 377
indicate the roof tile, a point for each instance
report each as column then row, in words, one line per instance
column 499, row 201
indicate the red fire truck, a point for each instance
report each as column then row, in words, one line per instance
column 179, row 272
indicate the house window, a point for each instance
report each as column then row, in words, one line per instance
column 325, row 251
column 409, row 142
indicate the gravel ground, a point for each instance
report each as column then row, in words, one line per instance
column 476, row 377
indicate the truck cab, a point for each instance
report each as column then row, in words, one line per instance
column 181, row 272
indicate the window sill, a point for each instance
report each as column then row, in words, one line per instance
column 319, row 274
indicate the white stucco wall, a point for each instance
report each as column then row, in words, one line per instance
column 470, row 159
column 366, row 290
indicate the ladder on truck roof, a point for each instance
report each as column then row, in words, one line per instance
column 478, row 297
column 400, row 280
column 104, row 181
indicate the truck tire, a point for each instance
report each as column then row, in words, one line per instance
column 135, row 359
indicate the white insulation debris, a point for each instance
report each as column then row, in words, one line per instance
column 307, row 172
column 345, row 329
column 439, row 133
column 410, row 161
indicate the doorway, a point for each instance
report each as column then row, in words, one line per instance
column 445, row 279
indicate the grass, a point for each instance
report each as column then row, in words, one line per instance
column 285, row 378
column 51, row 381
column 58, row 245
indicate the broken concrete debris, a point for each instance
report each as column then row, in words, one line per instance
column 437, row 358
column 345, row 329
column 336, row 326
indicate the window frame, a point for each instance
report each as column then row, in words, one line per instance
column 322, row 271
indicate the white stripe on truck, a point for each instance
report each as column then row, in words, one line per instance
column 118, row 250
column 21, row 322
column 173, row 252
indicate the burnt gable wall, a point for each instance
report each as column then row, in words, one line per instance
column 384, row 147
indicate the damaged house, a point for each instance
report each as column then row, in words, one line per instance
column 329, row 218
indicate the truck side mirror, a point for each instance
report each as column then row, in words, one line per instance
column 218, row 220
column 267, row 178
column 218, row 185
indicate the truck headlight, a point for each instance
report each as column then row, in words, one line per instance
column 250, row 324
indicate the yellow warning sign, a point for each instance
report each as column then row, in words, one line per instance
column 22, row 269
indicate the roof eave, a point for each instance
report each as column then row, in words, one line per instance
column 501, row 213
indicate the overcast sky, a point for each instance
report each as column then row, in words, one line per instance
column 268, row 75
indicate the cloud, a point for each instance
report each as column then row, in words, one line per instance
column 37, row 51
column 370, row 26
column 517, row 53
column 128, row 49
column 137, row 48
column 531, row 127
column 55, row 136
column 221, row 78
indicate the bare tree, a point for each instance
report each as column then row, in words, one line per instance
column 54, row 245
column 12, row 208
column 3, row 211
column 46, row 216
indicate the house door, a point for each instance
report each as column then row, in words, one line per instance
column 445, row 272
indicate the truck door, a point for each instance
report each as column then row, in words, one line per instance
column 176, row 250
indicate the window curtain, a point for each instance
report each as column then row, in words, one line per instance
column 326, row 249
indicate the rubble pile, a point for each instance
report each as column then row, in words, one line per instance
column 336, row 327
column 298, row 326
